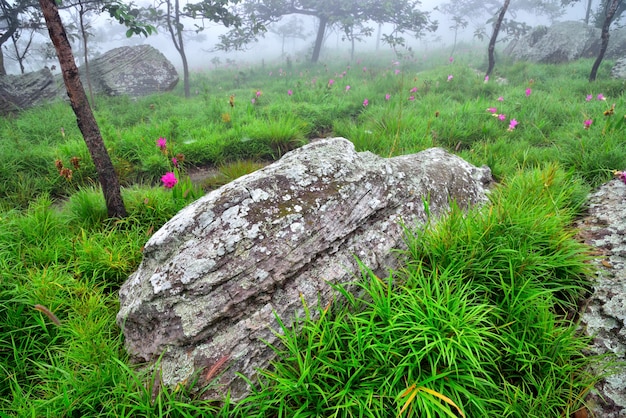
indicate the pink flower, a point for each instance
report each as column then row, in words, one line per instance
column 622, row 176
column 411, row 98
column 589, row 97
column 502, row 116
column 397, row 71
column 347, row 88
column 169, row 180
column 364, row 69
column 451, row 59
column 413, row 90
column 492, row 110
column 588, row 123
column 258, row 93
column 289, row 92
column 387, row 96
column 162, row 143
column 175, row 162
column 486, row 78
column 450, row 77
column 331, row 82
column 500, row 99
column 528, row 91
column 601, row 97
column 366, row 102
column 512, row 124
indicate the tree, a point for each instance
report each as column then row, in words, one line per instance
column 292, row 29
column 170, row 15
column 350, row 16
column 11, row 22
column 492, row 42
column 78, row 99
column 476, row 9
column 611, row 7
column 84, row 116
column 22, row 37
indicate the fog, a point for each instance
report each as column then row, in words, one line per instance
column 200, row 47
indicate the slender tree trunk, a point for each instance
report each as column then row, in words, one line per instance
column 494, row 37
column 183, row 57
column 610, row 13
column 18, row 56
column 319, row 40
column 176, row 33
column 588, row 12
column 3, row 71
column 84, row 116
column 83, row 32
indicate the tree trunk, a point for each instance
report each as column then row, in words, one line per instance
column 83, row 32
column 588, row 12
column 494, row 37
column 185, row 73
column 84, row 116
column 3, row 71
column 319, row 40
column 176, row 32
column 610, row 13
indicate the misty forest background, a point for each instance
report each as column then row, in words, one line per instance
column 481, row 320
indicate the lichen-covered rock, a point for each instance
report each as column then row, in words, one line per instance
column 18, row 92
column 131, row 70
column 214, row 276
column 619, row 69
column 559, row 43
column 604, row 316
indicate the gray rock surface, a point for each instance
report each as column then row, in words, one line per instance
column 604, row 317
column 214, row 276
column 131, row 70
column 18, row 92
column 561, row 42
column 619, row 69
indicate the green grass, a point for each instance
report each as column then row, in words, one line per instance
column 479, row 321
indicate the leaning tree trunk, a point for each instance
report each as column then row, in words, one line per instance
column 610, row 13
column 84, row 116
column 494, row 37
column 319, row 40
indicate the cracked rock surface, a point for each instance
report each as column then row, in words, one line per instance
column 604, row 227
column 213, row 278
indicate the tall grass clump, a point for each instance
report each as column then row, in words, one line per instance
column 479, row 322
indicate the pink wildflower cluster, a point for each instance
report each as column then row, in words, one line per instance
column 169, row 180
column 501, row 116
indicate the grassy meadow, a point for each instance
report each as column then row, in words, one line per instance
column 479, row 322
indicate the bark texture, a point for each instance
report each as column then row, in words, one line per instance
column 214, row 276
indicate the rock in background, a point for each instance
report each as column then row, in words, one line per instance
column 18, row 92
column 561, row 42
column 131, row 70
column 214, row 276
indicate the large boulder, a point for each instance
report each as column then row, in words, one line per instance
column 604, row 313
column 561, row 42
column 214, row 276
column 18, row 92
column 131, row 70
